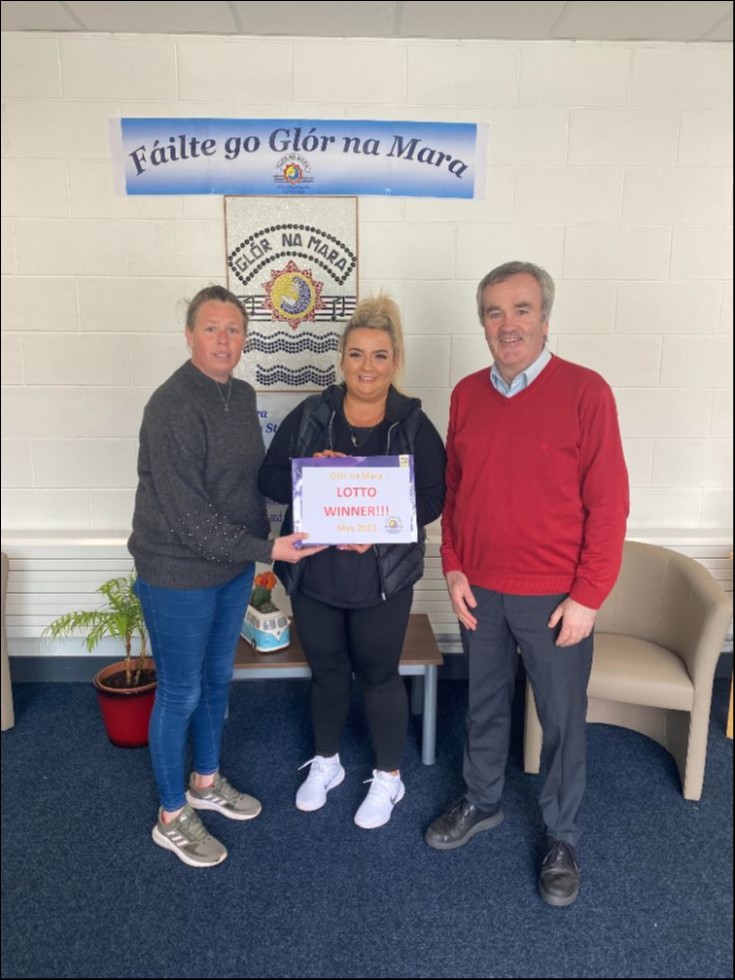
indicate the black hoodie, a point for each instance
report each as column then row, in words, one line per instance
column 344, row 578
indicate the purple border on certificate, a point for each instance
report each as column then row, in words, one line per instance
column 355, row 499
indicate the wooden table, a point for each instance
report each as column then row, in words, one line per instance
column 419, row 660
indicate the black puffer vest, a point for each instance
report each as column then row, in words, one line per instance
column 399, row 565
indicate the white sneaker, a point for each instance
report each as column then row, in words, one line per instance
column 325, row 774
column 385, row 791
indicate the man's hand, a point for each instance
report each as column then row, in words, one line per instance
column 328, row 454
column 462, row 599
column 576, row 620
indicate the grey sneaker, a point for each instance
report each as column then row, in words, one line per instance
column 188, row 839
column 224, row 799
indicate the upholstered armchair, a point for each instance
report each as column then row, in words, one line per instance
column 8, row 717
column 657, row 641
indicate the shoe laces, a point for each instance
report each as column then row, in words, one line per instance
column 189, row 824
column 560, row 855
column 383, row 787
column 223, row 788
column 320, row 767
column 458, row 807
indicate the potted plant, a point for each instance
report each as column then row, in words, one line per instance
column 125, row 689
column 265, row 627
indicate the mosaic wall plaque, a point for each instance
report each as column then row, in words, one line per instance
column 293, row 263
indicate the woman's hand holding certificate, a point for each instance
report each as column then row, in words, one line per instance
column 355, row 501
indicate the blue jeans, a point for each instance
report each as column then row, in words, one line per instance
column 194, row 634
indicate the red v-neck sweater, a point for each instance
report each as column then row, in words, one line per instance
column 537, row 488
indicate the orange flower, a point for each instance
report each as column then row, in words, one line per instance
column 266, row 580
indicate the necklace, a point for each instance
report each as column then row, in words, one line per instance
column 364, row 434
column 225, row 399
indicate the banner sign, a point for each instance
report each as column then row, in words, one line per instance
column 273, row 407
column 293, row 263
column 300, row 156
column 355, row 499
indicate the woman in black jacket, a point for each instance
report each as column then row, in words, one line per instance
column 351, row 603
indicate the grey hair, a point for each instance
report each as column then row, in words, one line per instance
column 502, row 272
column 379, row 312
column 206, row 295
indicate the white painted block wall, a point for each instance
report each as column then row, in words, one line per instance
column 610, row 164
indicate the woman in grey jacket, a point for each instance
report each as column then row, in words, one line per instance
column 351, row 604
column 198, row 528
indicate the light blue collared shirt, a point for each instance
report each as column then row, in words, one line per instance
column 522, row 380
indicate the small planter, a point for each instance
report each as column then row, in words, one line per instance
column 265, row 627
column 126, row 712
column 266, row 631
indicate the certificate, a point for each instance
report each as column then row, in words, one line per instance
column 355, row 499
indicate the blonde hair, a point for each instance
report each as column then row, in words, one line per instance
column 379, row 312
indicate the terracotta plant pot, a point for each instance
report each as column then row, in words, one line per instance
column 126, row 712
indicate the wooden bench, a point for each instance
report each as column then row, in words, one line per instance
column 420, row 658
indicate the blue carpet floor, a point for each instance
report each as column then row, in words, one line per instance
column 86, row 893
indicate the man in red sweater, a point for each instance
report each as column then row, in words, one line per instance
column 532, row 540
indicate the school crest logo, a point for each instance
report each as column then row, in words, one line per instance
column 293, row 263
column 293, row 294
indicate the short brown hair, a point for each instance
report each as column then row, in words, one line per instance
column 206, row 295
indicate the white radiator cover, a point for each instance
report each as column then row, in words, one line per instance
column 56, row 572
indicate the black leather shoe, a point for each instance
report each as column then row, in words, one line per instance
column 461, row 822
column 559, row 879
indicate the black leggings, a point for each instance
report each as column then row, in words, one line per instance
column 368, row 642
